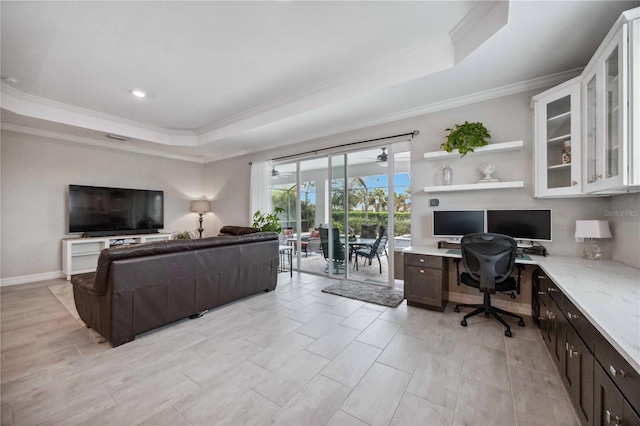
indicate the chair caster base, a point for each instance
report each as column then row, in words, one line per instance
column 507, row 333
column 521, row 323
column 463, row 323
column 456, row 309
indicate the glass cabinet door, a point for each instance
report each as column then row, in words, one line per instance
column 557, row 141
column 612, row 115
column 591, row 131
column 605, row 120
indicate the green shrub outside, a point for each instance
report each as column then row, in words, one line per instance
column 402, row 221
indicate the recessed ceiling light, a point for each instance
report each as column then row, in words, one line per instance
column 10, row 80
column 138, row 93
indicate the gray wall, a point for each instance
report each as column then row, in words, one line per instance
column 36, row 173
column 509, row 118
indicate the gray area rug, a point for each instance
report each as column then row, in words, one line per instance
column 372, row 293
column 64, row 294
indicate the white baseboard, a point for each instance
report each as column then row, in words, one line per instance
column 4, row 282
column 515, row 307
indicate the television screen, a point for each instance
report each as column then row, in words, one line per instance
column 456, row 223
column 529, row 225
column 103, row 211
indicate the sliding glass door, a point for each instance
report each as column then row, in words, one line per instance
column 343, row 207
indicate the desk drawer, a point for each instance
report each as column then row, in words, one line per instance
column 583, row 326
column 423, row 260
column 619, row 370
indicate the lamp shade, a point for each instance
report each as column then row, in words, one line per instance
column 200, row 206
column 592, row 229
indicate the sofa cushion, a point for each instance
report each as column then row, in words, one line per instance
column 238, row 230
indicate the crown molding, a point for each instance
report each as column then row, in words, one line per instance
column 45, row 109
column 511, row 89
column 97, row 143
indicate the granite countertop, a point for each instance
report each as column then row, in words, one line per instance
column 606, row 292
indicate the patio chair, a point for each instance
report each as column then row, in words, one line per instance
column 338, row 249
column 379, row 248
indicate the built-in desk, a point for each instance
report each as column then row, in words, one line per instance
column 593, row 312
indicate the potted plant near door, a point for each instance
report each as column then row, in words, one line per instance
column 268, row 222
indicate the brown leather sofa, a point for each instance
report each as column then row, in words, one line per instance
column 141, row 287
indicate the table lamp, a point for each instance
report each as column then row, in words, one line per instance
column 201, row 207
column 592, row 229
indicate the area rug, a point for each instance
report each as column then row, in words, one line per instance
column 64, row 294
column 372, row 293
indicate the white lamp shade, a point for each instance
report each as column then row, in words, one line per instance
column 200, row 206
column 592, row 229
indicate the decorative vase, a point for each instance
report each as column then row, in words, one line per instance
column 447, row 175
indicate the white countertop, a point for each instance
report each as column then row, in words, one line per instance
column 606, row 292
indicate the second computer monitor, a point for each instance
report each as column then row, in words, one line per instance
column 522, row 225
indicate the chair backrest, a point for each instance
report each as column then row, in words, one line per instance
column 338, row 249
column 368, row 231
column 381, row 244
column 488, row 258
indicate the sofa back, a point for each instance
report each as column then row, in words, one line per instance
column 156, row 248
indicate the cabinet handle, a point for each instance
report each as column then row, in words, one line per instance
column 422, row 271
column 542, row 277
column 615, row 372
column 573, row 352
column 421, row 260
column 541, row 293
column 541, row 318
column 552, row 290
column 571, row 316
column 616, row 419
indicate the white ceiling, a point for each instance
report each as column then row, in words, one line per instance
column 227, row 78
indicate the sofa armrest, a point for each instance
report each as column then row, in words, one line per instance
column 87, row 283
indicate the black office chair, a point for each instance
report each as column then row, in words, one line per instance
column 489, row 260
column 338, row 249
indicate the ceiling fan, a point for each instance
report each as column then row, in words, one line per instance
column 276, row 174
column 383, row 158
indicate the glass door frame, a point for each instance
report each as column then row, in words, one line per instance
column 328, row 188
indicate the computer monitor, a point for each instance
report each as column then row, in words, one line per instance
column 454, row 224
column 522, row 225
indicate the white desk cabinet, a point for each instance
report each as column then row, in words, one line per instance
column 80, row 255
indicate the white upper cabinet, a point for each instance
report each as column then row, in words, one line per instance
column 606, row 126
column 557, row 135
column 597, row 117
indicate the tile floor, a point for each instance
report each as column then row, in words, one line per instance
column 295, row 356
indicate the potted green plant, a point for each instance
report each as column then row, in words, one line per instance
column 183, row 235
column 268, row 222
column 466, row 137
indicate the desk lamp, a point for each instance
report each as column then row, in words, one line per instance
column 592, row 229
column 201, row 207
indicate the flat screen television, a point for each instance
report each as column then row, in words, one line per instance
column 454, row 224
column 522, row 225
column 101, row 211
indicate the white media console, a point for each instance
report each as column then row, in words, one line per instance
column 80, row 255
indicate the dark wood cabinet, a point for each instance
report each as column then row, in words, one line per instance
column 426, row 281
column 610, row 406
column 604, row 389
column 578, row 373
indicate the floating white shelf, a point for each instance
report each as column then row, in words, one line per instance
column 494, row 147
column 474, row 186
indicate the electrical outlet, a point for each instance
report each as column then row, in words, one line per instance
column 434, row 202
